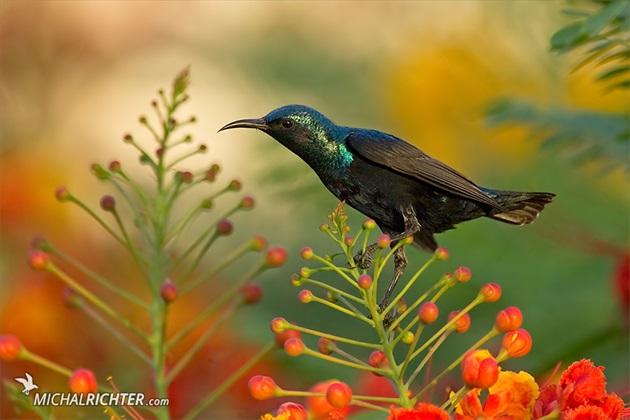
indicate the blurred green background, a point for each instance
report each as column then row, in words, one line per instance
column 76, row 75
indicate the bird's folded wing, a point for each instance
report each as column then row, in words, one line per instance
column 402, row 157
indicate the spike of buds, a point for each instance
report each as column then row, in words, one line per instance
column 490, row 292
column 338, row 394
column 428, row 313
column 10, row 347
column 262, row 387
column 82, row 381
column 509, row 319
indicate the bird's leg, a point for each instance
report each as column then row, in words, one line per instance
column 400, row 263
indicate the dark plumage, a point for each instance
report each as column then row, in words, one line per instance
column 403, row 189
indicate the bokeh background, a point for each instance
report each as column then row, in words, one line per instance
column 75, row 76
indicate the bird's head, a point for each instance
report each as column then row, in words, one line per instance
column 303, row 130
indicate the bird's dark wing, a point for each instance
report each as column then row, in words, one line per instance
column 402, row 157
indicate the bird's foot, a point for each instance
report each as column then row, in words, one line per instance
column 363, row 260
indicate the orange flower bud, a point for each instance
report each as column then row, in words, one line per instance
column 262, row 387
column 462, row 324
column 441, row 253
column 296, row 411
column 491, row 292
column 462, row 274
column 319, row 407
column 428, row 313
column 10, row 347
column 276, row 256
column 509, row 319
column 38, row 259
column 364, row 281
column 517, row 343
column 339, row 394
column 294, row 346
column 479, row 369
column 82, row 381
column 305, row 296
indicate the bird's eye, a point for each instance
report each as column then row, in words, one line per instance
column 287, row 123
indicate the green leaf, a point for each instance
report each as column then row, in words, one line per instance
column 594, row 24
column 568, row 37
column 624, row 84
column 613, row 72
column 597, row 52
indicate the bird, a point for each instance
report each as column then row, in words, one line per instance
column 403, row 189
column 27, row 383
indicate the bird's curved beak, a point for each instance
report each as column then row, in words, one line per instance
column 257, row 123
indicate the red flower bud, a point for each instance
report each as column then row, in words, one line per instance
column 462, row 274
column 169, row 291
column 508, row 319
column 262, row 387
column 305, row 296
column 62, row 194
column 284, row 336
column 294, row 346
column 114, row 166
column 38, row 260
column 276, row 257
column 479, row 369
column 462, row 324
column 10, row 347
column 258, row 243
column 517, row 343
column 491, row 292
column 307, row 253
column 383, row 241
column 235, row 185
column 428, row 312
column 338, row 394
column 252, row 293
column 108, row 203
column 224, row 227
column 247, row 202
column 364, row 281
column 326, row 346
column 441, row 254
column 320, row 408
column 82, row 381
column 378, row 360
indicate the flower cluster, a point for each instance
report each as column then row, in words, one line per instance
column 399, row 329
column 155, row 230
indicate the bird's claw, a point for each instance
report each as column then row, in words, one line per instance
column 363, row 260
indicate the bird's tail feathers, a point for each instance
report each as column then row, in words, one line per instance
column 523, row 208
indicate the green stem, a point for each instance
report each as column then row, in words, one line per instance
column 336, row 338
column 99, row 279
column 50, row 267
column 342, row 309
column 360, row 366
column 35, row 358
column 97, row 218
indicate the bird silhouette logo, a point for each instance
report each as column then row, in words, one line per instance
column 27, row 383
